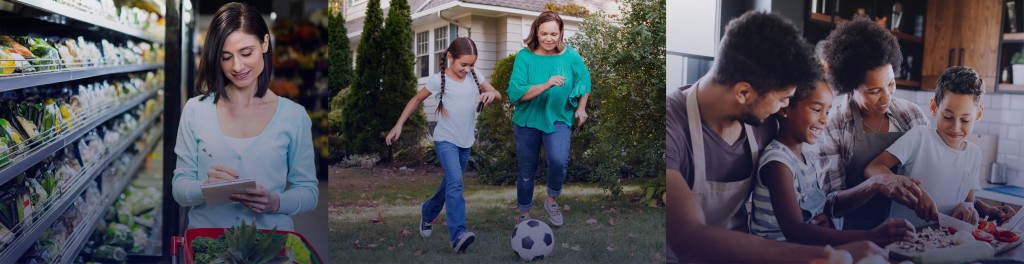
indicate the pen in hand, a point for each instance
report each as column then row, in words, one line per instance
column 212, row 157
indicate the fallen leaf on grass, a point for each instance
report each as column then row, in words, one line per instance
column 379, row 219
column 417, row 253
column 361, row 246
column 591, row 221
column 610, row 248
column 565, row 245
column 657, row 258
column 566, row 208
column 613, row 210
column 575, row 248
column 613, row 222
column 404, row 233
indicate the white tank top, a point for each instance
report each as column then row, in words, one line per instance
column 239, row 144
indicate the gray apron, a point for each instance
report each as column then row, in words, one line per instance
column 722, row 202
column 865, row 148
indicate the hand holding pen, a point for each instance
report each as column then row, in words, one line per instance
column 219, row 172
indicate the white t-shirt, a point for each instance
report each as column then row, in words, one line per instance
column 460, row 101
column 946, row 174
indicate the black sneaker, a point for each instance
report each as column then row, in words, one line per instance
column 425, row 228
column 464, row 240
column 522, row 218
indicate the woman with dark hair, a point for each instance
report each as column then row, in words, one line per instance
column 861, row 57
column 549, row 87
column 238, row 128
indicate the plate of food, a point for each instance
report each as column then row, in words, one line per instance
column 955, row 242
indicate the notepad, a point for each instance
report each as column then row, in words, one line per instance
column 220, row 193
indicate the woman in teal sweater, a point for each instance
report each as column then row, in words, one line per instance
column 549, row 88
column 238, row 128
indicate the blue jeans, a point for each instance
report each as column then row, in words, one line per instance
column 453, row 160
column 556, row 149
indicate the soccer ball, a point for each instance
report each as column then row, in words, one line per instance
column 533, row 240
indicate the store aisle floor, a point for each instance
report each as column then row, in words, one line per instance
column 313, row 225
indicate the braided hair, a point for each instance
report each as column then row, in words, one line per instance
column 457, row 48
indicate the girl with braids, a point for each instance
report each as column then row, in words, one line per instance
column 549, row 87
column 458, row 103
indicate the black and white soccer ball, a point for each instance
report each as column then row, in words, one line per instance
column 533, row 240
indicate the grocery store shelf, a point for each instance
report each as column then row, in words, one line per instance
column 31, row 233
column 82, row 235
column 33, row 80
column 18, row 166
column 61, row 9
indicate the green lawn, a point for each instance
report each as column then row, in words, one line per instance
column 624, row 232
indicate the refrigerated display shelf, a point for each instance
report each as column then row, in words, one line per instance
column 82, row 235
column 19, row 165
column 33, row 80
column 70, row 12
column 31, row 234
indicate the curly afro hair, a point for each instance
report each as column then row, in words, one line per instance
column 960, row 80
column 856, row 47
column 767, row 51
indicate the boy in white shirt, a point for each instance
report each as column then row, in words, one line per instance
column 941, row 157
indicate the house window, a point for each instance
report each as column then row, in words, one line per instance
column 440, row 44
column 355, row 2
column 422, row 54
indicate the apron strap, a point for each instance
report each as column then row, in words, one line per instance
column 697, row 140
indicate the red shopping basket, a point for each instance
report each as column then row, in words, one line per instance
column 193, row 233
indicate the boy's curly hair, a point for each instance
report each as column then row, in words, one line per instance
column 960, row 80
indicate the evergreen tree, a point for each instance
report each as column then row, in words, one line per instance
column 361, row 126
column 340, row 63
column 399, row 83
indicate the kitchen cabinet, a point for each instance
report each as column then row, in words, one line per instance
column 962, row 33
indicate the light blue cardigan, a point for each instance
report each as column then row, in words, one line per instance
column 282, row 154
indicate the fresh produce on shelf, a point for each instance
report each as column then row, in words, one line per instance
column 7, row 62
column 14, row 46
column 9, row 132
column 108, row 253
column 118, row 235
column 15, row 206
column 40, row 252
column 57, row 53
column 47, row 57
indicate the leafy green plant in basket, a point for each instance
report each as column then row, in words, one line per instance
column 246, row 244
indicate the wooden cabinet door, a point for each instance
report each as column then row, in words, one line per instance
column 941, row 43
column 980, row 22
